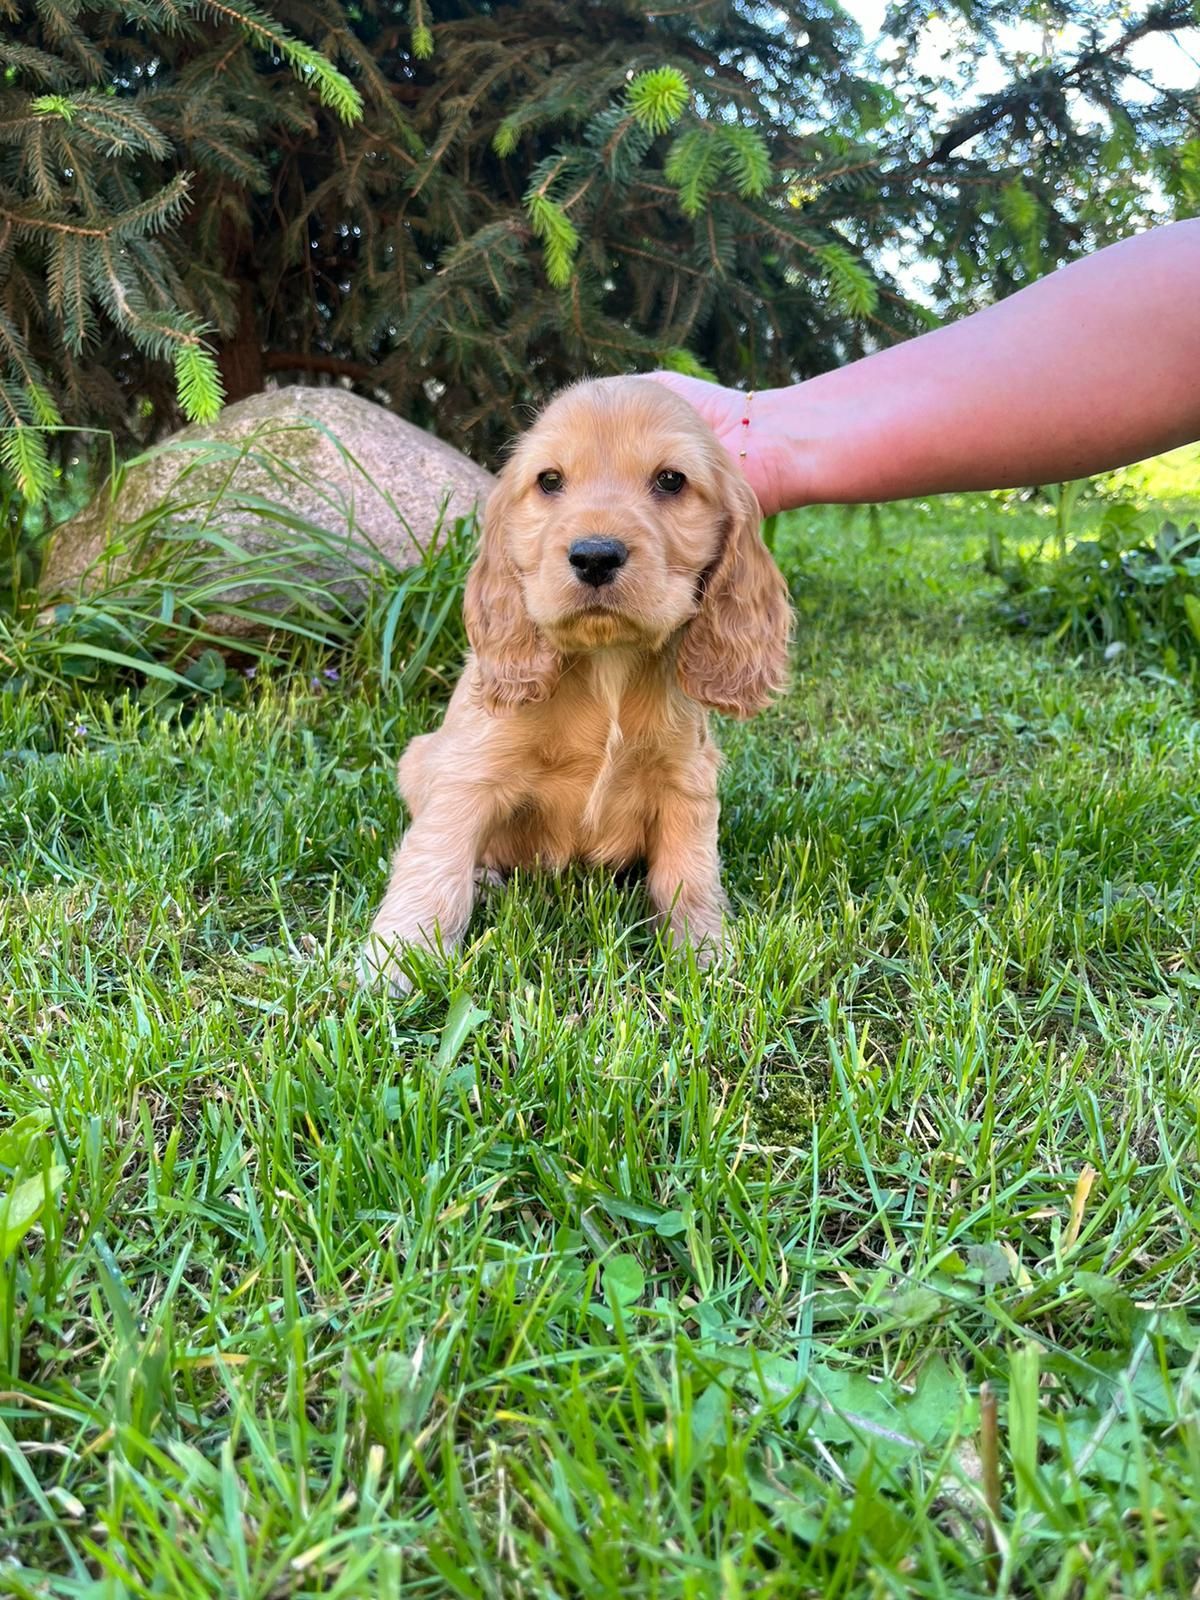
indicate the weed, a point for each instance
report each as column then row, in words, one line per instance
column 1120, row 590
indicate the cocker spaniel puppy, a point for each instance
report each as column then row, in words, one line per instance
column 621, row 590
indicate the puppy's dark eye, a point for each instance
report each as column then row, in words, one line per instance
column 669, row 481
column 550, row 482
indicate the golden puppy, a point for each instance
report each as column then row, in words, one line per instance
column 622, row 588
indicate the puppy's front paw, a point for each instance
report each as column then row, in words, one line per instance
column 707, row 937
column 379, row 963
column 711, row 947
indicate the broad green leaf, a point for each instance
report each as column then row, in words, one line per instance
column 21, row 1207
column 991, row 1263
column 20, row 1136
column 709, row 1411
column 462, row 1020
column 670, row 1225
column 646, row 1215
column 208, row 671
column 624, row 1279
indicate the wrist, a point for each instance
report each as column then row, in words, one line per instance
column 785, row 438
column 821, row 442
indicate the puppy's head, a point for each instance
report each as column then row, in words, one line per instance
column 621, row 520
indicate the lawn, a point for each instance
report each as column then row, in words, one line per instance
column 582, row 1273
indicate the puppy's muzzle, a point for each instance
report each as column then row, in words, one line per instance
column 597, row 561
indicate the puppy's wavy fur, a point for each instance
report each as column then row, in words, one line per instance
column 579, row 728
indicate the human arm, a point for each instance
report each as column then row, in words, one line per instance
column 1088, row 369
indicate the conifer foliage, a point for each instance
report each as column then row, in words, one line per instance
column 459, row 204
column 95, row 297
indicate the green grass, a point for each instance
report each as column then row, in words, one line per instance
column 580, row 1273
column 1171, row 477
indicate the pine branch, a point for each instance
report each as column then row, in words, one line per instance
column 310, row 66
column 39, row 64
column 657, row 99
column 119, row 128
column 24, row 456
column 158, row 211
column 559, row 236
column 197, row 382
column 422, row 33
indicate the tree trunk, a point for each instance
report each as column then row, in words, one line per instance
column 241, row 358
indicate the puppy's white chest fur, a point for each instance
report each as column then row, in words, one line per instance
column 610, row 671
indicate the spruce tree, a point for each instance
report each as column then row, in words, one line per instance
column 458, row 206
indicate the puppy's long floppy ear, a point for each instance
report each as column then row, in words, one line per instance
column 733, row 655
column 516, row 666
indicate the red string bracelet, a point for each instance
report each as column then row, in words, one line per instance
column 745, row 424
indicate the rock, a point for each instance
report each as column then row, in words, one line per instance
column 371, row 481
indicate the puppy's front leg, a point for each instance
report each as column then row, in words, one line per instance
column 432, row 887
column 684, row 878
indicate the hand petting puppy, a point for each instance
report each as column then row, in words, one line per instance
column 621, row 590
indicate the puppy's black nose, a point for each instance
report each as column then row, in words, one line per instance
column 597, row 561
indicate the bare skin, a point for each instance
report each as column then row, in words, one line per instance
column 1089, row 369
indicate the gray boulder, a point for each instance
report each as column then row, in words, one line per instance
column 315, row 484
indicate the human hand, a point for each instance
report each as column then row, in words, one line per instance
column 723, row 409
